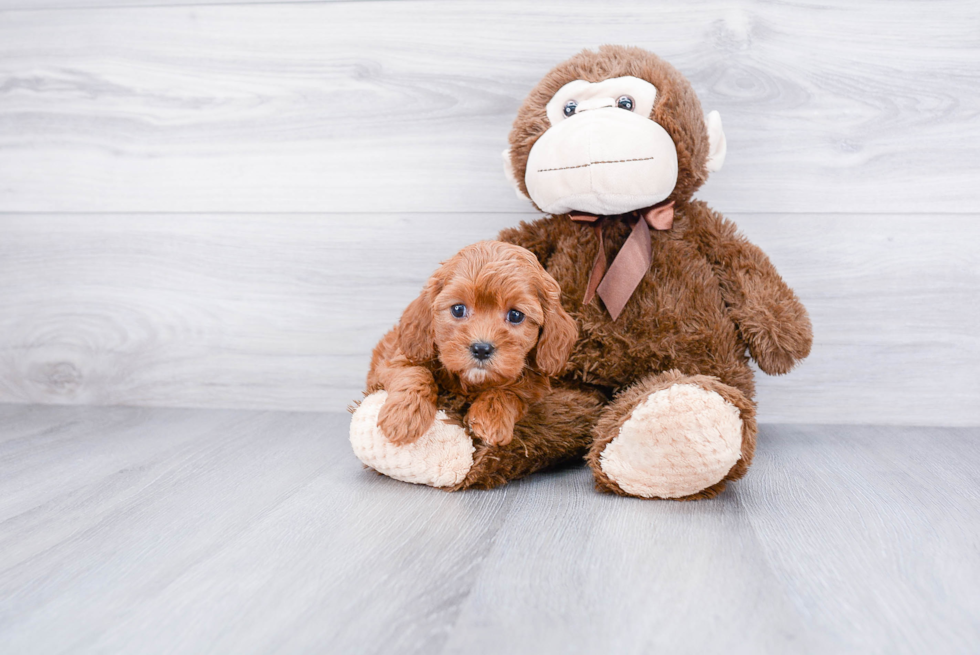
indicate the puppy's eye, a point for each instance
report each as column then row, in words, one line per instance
column 625, row 102
column 458, row 311
column 515, row 317
column 570, row 107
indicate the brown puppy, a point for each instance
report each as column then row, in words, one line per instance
column 488, row 329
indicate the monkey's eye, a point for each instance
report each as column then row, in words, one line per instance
column 625, row 102
column 515, row 317
column 570, row 107
column 458, row 311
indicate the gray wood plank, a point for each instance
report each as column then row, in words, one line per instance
column 893, row 301
column 281, row 312
column 365, row 107
column 45, row 5
column 245, row 535
column 255, row 311
column 575, row 571
column 31, row 443
column 162, row 530
column 874, row 532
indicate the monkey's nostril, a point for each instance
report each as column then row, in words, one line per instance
column 481, row 350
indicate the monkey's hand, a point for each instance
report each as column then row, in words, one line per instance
column 774, row 323
column 492, row 416
column 406, row 416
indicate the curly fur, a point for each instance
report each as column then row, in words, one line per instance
column 427, row 360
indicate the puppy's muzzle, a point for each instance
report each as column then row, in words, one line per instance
column 481, row 351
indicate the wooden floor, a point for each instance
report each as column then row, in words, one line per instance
column 160, row 530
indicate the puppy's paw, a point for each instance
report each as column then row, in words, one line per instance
column 494, row 427
column 405, row 417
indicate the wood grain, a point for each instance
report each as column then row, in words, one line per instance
column 42, row 5
column 405, row 106
column 614, row 575
column 163, row 530
column 281, row 312
column 252, row 521
column 863, row 524
column 226, row 206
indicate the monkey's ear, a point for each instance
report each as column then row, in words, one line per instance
column 415, row 336
column 717, row 145
column 509, row 174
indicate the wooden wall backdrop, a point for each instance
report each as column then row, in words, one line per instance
column 225, row 204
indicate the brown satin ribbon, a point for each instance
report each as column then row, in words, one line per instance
column 631, row 263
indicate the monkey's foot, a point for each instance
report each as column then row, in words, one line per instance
column 439, row 458
column 680, row 441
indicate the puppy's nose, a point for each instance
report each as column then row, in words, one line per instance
column 481, row 350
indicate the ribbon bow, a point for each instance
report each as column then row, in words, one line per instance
column 616, row 285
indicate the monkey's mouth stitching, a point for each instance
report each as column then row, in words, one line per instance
column 595, row 163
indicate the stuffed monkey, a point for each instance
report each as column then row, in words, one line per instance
column 669, row 299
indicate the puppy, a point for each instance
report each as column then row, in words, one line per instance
column 488, row 329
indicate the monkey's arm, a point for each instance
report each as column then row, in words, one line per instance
column 770, row 318
column 410, row 409
column 493, row 414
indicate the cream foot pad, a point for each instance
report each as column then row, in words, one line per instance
column 675, row 443
column 440, row 458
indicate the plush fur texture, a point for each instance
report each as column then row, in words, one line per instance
column 442, row 457
column 677, row 109
column 709, row 301
column 555, row 431
column 675, row 443
column 428, row 358
column 682, row 460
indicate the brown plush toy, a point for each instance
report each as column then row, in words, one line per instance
column 670, row 301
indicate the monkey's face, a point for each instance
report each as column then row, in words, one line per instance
column 612, row 131
column 603, row 154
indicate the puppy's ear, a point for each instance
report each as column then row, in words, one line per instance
column 415, row 335
column 559, row 332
